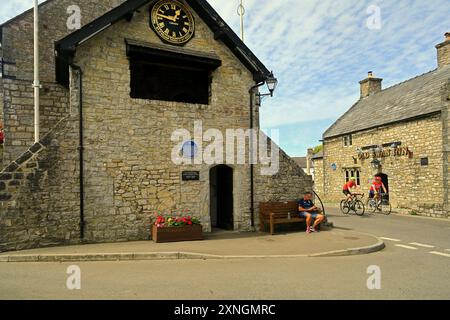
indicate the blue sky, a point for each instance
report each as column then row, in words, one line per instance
column 320, row 50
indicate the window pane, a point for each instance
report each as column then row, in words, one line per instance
column 168, row 83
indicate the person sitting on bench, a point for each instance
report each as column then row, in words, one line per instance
column 309, row 211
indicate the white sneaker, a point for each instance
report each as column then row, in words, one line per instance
column 312, row 229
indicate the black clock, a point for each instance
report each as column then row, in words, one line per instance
column 172, row 21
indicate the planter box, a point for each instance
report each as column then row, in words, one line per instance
column 175, row 234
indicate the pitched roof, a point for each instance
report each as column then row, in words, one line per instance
column 67, row 46
column 318, row 155
column 301, row 161
column 415, row 98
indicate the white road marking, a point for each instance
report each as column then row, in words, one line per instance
column 447, row 249
column 390, row 239
column 406, row 247
column 441, row 254
column 421, row 245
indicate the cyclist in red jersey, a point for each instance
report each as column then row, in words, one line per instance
column 351, row 184
column 376, row 187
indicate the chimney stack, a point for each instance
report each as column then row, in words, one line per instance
column 370, row 85
column 443, row 52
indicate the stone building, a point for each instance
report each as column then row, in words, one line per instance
column 400, row 133
column 115, row 93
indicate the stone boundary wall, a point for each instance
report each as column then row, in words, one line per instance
column 290, row 183
column 18, row 113
column 39, row 193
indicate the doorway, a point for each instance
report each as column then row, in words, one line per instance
column 221, row 197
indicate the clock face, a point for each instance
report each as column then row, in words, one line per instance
column 172, row 22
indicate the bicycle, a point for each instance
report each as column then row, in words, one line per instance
column 355, row 205
column 380, row 203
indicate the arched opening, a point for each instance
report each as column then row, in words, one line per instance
column 221, row 197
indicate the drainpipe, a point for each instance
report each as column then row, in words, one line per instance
column 252, row 92
column 81, row 147
column 36, row 83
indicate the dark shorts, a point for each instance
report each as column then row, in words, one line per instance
column 346, row 192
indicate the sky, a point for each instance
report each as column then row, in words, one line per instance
column 320, row 50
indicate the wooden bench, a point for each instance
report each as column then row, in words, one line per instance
column 273, row 213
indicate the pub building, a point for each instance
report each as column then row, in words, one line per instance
column 113, row 93
column 400, row 133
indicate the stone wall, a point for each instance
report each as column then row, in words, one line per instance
column 288, row 184
column 17, row 92
column 39, row 193
column 443, row 52
column 412, row 186
column 128, row 141
column 18, row 34
column 19, row 113
column 1, row 120
column 129, row 173
column 318, row 177
column 446, row 145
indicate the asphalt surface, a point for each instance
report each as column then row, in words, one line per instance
column 408, row 229
column 408, row 271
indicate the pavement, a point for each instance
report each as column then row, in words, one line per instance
column 413, row 265
column 218, row 245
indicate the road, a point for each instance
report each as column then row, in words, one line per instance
column 408, row 271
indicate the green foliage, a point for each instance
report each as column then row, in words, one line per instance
column 317, row 149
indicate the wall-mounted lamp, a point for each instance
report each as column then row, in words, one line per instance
column 272, row 84
column 375, row 163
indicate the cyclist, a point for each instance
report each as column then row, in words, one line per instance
column 376, row 187
column 351, row 184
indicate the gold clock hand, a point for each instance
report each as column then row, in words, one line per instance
column 167, row 17
column 177, row 14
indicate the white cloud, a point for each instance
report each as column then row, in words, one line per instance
column 319, row 50
column 11, row 8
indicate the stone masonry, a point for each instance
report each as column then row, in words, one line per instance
column 39, row 193
column 129, row 175
column 415, row 187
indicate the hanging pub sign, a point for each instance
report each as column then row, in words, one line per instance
column 397, row 152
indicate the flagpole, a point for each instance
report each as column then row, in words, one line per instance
column 36, row 83
column 241, row 13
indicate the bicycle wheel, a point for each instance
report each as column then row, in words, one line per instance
column 359, row 208
column 345, row 208
column 385, row 208
column 372, row 205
